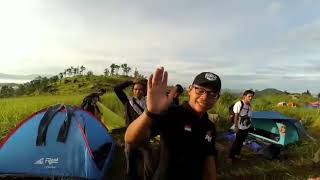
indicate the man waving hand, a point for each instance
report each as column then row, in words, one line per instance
column 187, row 135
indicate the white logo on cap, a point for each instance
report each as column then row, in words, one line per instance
column 210, row 76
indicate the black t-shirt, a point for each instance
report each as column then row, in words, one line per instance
column 175, row 101
column 185, row 142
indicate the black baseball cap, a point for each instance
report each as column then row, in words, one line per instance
column 209, row 80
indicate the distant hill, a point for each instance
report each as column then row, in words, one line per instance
column 84, row 84
column 268, row 91
column 17, row 77
column 8, row 84
column 71, row 85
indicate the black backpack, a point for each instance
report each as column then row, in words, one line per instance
column 231, row 113
column 89, row 103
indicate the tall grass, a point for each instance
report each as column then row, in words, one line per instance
column 14, row 110
column 111, row 101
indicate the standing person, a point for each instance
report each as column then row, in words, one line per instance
column 134, row 106
column 178, row 92
column 242, row 113
column 187, row 143
column 89, row 103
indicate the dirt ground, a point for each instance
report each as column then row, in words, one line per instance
column 231, row 171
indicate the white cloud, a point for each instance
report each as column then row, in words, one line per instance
column 248, row 43
column 274, row 8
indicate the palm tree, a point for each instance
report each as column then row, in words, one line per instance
column 69, row 71
column 60, row 75
column 82, row 68
column 106, row 72
column 128, row 70
column 112, row 67
column 136, row 73
column 124, row 68
column 65, row 72
column 116, row 69
column 76, row 71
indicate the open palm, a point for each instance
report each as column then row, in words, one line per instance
column 157, row 100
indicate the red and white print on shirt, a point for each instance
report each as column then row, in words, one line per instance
column 187, row 127
column 208, row 136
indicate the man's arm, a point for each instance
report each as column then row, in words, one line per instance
column 157, row 102
column 118, row 89
column 139, row 130
column 236, row 120
column 236, row 110
column 210, row 172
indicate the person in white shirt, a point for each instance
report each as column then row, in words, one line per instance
column 242, row 113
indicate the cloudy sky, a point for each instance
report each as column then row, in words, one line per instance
column 250, row 44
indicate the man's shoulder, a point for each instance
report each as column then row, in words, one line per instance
column 177, row 108
column 238, row 103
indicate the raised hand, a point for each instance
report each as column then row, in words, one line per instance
column 157, row 100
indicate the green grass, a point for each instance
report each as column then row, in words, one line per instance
column 111, row 101
column 14, row 110
column 297, row 166
column 111, row 119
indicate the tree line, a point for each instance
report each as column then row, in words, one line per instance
column 49, row 85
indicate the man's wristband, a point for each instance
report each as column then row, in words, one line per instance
column 152, row 115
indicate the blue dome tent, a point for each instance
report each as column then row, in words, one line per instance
column 276, row 128
column 59, row 141
column 271, row 133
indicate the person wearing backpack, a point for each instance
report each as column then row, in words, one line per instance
column 242, row 123
column 134, row 106
column 231, row 112
column 89, row 103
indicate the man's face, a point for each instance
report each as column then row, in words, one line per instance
column 201, row 99
column 138, row 91
column 248, row 98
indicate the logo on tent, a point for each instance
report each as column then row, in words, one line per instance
column 40, row 161
column 47, row 161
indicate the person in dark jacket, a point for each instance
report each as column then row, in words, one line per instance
column 178, row 92
column 187, row 143
column 134, row 106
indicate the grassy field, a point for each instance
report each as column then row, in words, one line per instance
column 14, row 110
column 297, row 166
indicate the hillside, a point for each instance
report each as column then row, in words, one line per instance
column 268, row 91
column 297, row 163
column 85, row 84
column 9, row 84
column 80, row 84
